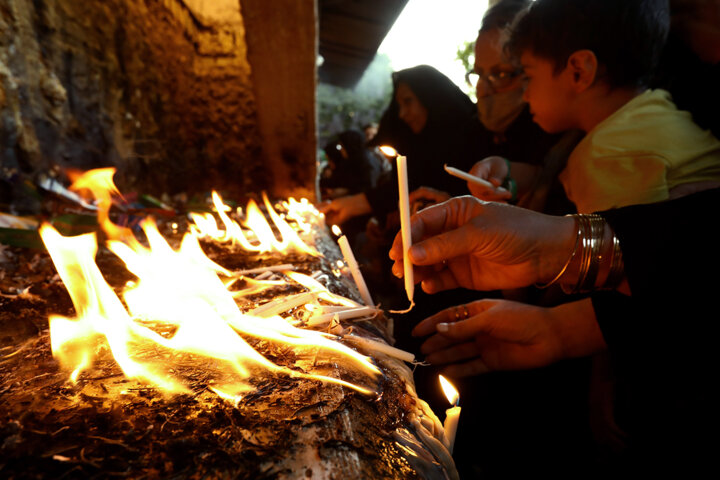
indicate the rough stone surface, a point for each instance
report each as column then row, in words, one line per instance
column 162, row 89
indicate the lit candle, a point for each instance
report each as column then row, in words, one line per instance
column 405, row 225
column 353, row 265
column 452, row 414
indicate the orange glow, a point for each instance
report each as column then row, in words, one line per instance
column 389, row 151
column 449, row 390
column 258, row 235
column 178, row 315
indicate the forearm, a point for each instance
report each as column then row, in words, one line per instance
column 576, row 326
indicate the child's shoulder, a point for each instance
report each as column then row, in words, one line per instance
column 649, row 120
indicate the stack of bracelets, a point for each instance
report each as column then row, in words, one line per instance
column 588, row 255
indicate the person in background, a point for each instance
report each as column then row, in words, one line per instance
column 429, row 120
column 638, row 147
column 521, row 157
column 352, row 168
column 690, row 62
column 650, row 291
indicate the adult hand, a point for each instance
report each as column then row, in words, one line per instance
column 493, row 169
column 468, row 243
column 342, row 209
column 505, row 335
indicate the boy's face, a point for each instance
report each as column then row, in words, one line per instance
column 549, row 95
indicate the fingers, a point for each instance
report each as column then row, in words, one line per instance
column 441, row 247
column 439, row 281
column 489, row 194
column 453, row 315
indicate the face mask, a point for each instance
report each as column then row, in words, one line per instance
column 497, row 111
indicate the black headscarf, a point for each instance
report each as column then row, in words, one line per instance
column 451, row 135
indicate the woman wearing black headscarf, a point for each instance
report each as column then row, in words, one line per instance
column 430, row 121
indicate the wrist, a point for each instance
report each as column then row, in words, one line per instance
column 596, row 262
column 554, row 261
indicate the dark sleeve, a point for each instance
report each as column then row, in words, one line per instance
column 669, row 248
column 672, row 264
column 383, row 199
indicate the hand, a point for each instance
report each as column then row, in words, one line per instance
column 498, row 335
column 425, row 196
column 493, row 169
column 468, row 243
column 342, row 209
column 505, row 335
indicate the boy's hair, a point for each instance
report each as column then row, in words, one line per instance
column 626, row 36
column 502, row 14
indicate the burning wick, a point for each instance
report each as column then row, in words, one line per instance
column 452, row 414
column 353, row 265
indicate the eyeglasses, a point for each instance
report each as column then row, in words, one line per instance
column 496, row 79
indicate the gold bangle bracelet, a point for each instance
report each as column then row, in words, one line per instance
column 572, row 255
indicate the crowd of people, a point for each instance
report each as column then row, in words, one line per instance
column 588, row 268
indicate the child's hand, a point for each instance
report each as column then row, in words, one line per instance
column 493, row 169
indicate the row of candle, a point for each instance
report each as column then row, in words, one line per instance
column 452, row 415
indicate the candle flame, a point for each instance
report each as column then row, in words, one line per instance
column 388, row 150
column 450, row 391
column 336, row 230
column 178, row 315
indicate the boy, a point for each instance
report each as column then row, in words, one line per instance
column 587, row 64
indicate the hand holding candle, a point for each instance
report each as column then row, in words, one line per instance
column 405, row 226
column 472, row 178
column 452, row 414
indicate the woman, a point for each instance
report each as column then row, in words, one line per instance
column 520, row 156
column 430, row 121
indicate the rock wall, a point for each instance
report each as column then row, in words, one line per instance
column 162, row 89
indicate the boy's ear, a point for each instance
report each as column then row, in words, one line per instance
column 582, row 66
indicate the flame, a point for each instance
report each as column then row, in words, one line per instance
column 303, row 213
column 178, row 314
column 100, row 183
column 388, row 150
column 449, row 390
column 336, row 230
column 259, row 235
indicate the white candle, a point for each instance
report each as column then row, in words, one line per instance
column 354, row 268
column 323, row 317
column 375, row 346
column 470, row 178
column 452, row 414
column 405, row 225
column 279, row 306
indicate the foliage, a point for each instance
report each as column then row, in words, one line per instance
column 466, row 54
column 341, row 109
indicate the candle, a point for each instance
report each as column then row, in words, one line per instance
column 277, row 307
column 375, row 346
column 405, row 225
column 452, row 414
column 353, row 265
column 471, row 178
column 321, row 316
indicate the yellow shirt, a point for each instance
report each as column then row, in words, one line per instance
column 637, row 154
